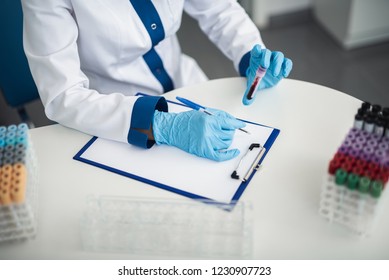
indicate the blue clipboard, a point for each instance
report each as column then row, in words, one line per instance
column 160, row 184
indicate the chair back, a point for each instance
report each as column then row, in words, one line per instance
column 16, row 81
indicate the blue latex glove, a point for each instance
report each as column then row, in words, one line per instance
column 195, row 132
column 277, row 66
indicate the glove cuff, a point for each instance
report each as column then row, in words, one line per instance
column 142, row 116
column 162, row 123
column 244, row 64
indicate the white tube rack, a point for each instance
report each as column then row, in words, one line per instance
column 165, row 227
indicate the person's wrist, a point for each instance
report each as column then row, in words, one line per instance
column 148, row 132
column 160, row 126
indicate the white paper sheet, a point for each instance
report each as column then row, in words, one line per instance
column 175, row 168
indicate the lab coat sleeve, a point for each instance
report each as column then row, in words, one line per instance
column 50, row 43
column 229, row 27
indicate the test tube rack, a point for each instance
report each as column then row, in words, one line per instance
column 18, row 176
column 166, row 227
column 353, row 189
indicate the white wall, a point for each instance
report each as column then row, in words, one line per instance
column 262, row 10
column 354, row 23
column 276, row 7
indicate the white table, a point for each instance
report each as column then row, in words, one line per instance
column 285, row 193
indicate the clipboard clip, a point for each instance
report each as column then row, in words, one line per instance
column 254, row 165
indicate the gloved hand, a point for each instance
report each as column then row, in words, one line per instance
column 197, row 133
column 277, row 66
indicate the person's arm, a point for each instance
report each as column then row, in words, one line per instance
column 50, row 43
column 50, row 40
column 229, row 27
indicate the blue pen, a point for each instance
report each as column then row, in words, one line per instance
column 198, row 107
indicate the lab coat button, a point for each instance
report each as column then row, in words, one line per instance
column 153, row 26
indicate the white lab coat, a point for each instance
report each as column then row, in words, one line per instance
column 86, row 57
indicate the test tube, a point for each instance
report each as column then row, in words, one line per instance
column 358, row 121
column 386, row 127
column 368, row 124
column 340, row 180
column 376, row 108
column 12, row 128
column 260, row 73
column 22, row 127
column 18, row 189
column 379, row 127
column 5, row 186
column 385, row 112
column 363, row 187
column 365, row 106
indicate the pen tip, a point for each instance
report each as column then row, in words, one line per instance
column 244, row 130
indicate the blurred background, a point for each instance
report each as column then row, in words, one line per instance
column 341, row 44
